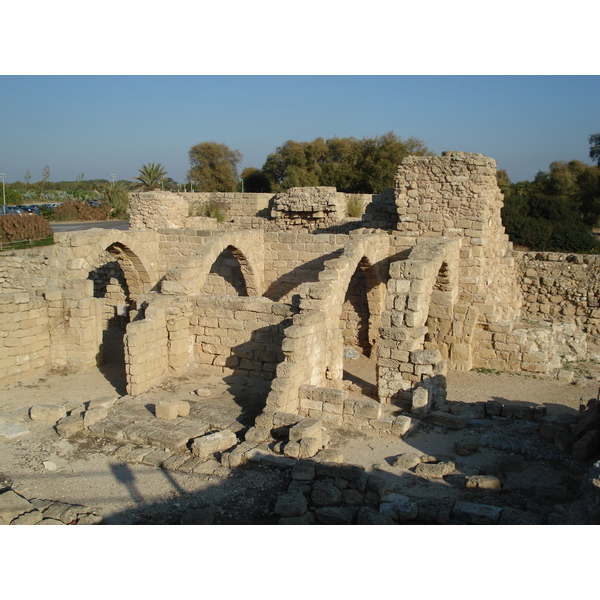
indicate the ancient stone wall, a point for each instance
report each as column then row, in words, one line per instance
column 235, row 204
column 25, row 335
column 156, row 210
column 309, row 208
column 241, row 336
column 561, row 288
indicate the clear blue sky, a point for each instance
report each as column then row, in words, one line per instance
column 100, row 125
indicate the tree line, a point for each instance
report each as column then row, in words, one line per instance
column 558, row 209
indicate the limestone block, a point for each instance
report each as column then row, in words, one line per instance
column 166, row 410
column 434, row 470
column 406, row 461
column 309, row 446
column 207, row 445
column 47, row 413
column 93, row 415
column 69, row 426
column 183, row 407
column 401, row 425
column 484, row 482
column 446, row 420
column 367, row 409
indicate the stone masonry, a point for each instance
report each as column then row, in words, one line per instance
column 427, row 281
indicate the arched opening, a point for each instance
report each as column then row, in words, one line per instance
column 441, row 311
column 117, row 281
column 226, row 275
column 359, row 322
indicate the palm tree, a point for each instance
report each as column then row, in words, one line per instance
column 150, row 176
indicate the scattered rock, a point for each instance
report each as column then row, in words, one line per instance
column 203, row 392
column 406, row 461
column 166, row 410
column 47, row 413
column 484, row 482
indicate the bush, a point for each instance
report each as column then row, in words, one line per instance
column 14, row 228
column 214, row 210
column 354, row 207
column 80, row 211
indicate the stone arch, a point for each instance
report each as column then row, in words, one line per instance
column 191, row 276
column 368, row 255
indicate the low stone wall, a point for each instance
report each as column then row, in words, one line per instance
column 25, row 335
column 156, row 210
column 562, row 288
column 235, row 204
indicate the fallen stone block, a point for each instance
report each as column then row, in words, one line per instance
column 166, row 410
column 219, row 441
column 93, row 415
column 104, row 402
column 476, row 514
column 47, row 413
column 292, row 450
column 447, row 420
column 406, row 461
column 484, row 482
column 257, row 435
column 435, row 470
column 401, row 425
column 70, row 426
column 309, row 446
column 183, row 408
column 421, row 403
column 306, row 428
column 203, row 392
column 329, row 455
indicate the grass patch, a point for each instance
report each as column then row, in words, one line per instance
column 214, row 210
column 24, row 244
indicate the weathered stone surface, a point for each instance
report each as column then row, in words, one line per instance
column 306, row 428
column 257, row 435
column 12, row 505
column 291, row 505
column 448, row 420
column 166, row 410
column 325, row 493
column 467, row 446
column 303, row 470
column 484, row 482
column 329, row 455
column 434, row 470
column 12, row 430
column 476, row 514
column 309, row 446
column 401, row 425
column 406, row 461
column 434, row 510
column 93, row 415
column 183, row 407
column 32, row 517
column 70, row 426
column 398, row 507
column 207, row 445
column 203, row 392
column 47, row 413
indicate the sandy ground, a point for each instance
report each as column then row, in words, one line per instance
column 87, row 473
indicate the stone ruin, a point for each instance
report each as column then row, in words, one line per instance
column 426, row 281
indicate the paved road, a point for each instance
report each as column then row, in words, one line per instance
column 83, row 225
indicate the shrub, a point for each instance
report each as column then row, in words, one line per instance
column 213, row 209
column 80, row 211
column 354, row 207
column 14, row 228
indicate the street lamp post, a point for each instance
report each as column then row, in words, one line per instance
column 242, row 181
column 113, row 178
column 3, row 194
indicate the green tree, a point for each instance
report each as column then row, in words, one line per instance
column 255, row 180
column 594, row 140
column 116, row 197
column 349, row 164
column 213, row 167
column 150, row 176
